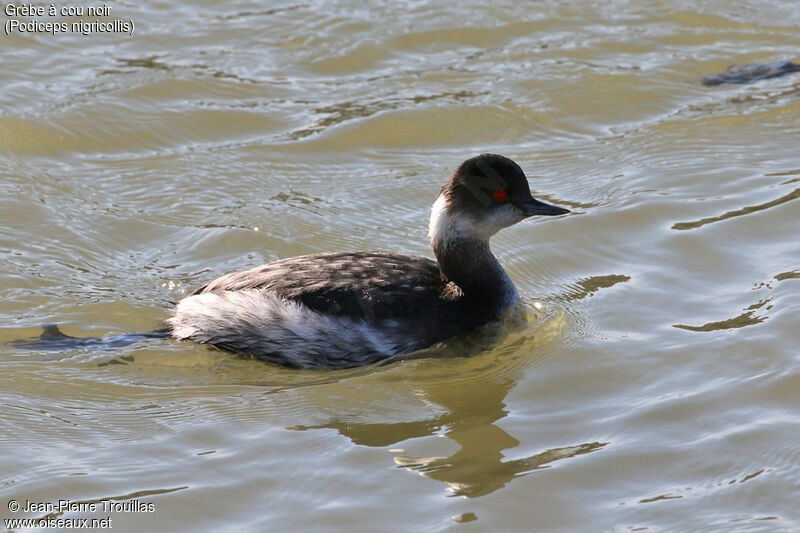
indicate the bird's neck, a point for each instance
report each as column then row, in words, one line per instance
column 470, row 264
column 465, row 259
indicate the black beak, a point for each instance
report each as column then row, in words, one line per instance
column 535, row 207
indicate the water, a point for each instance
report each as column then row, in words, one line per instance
column 655, row 391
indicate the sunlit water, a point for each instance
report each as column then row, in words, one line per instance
column 655, row 390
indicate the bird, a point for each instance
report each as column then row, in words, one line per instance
column 347, row 309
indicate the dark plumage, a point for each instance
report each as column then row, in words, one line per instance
column 353, row 308
column 352, row 284
column 371, row 286
column 750, row 73
column 472, row 183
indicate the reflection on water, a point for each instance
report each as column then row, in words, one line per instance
column 225, row 135
column 468, row 408
column 794, row 195
column 477, row 471
column 747, row 318
column 343, row 112
column 588, row 286
column 139, row 494
column 795, row 274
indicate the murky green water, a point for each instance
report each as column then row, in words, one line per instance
column 656, row 391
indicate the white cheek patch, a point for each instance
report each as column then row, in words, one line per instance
column 502, row 217
column 445, row 226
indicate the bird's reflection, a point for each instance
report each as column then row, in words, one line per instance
column 469, row 400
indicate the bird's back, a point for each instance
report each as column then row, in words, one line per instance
column 370, row 286
column 327, row 311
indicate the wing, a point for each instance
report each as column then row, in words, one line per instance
column 365, row 285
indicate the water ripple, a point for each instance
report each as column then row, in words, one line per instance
column 739, row 212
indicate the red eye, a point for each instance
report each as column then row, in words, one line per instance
column 501, row 196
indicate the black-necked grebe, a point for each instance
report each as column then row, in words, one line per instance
column 348, row 309
column 750, row 73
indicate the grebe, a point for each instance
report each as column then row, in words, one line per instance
column 750, row 73
column 347, row 309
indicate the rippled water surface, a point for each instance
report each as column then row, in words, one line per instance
column 655, row 390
